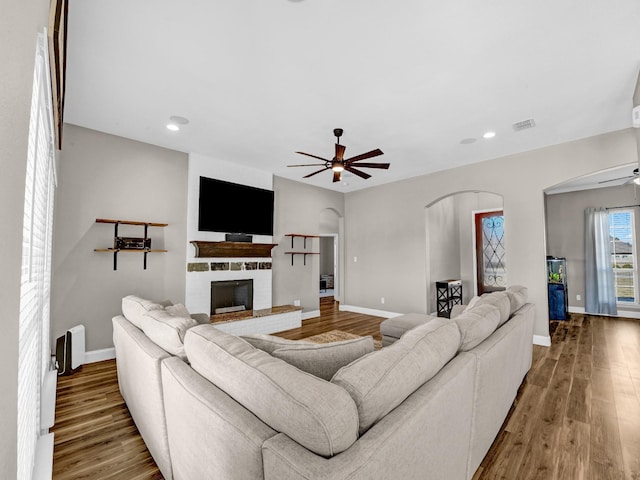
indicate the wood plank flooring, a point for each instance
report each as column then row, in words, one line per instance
column 577, row 415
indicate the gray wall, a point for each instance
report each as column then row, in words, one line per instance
column 19, row 24
column 565, row 228
column 299, row 209
column 385, row 226
column 104, row 176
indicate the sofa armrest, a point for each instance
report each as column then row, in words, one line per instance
column 457, row 310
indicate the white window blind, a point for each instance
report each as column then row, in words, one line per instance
column 622, row 234
column 34, row 354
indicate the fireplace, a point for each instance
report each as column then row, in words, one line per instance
column 231, row 296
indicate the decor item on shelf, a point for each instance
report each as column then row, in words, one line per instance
column 130, row 244
column 304, row 253
column 338, row 164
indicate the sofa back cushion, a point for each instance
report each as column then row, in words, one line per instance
column 380, row 381
column 476, row 324
column 269, row 343
column 166, row 330
column 517, row 296
column 500, row 300
column 134, row 307
column 324, row 359
column 317, row 414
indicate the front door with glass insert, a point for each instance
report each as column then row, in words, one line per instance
column 491, row 264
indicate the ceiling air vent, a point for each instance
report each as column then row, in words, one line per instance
column 523, row 125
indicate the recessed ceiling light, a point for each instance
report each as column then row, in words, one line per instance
column 467, row 141
column 489, row 135
column 175, row 121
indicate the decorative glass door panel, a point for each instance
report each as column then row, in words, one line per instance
column 490, row 252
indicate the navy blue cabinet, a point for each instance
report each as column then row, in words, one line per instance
column 557, row 288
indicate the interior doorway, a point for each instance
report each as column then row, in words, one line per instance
column 330, row 268
column 490, row 251
column 328, row 265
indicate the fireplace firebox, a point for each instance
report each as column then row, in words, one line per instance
column 231, row 296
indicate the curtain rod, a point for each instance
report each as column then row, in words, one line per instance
column 624, row 206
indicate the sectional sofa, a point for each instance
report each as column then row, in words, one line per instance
column 211, row 405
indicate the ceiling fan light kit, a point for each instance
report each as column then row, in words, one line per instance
column 338, row 163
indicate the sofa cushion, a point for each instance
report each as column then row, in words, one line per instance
column 317, row 414
column 269, row 343
column 167, row 331
column 396, row 326
column 324, row 359
column 498, row 299
column 517, row 296
column 476, row 324
column 134, row 307
column 177, row 310
column 380, row 381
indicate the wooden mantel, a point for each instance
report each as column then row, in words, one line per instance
column 232, row 249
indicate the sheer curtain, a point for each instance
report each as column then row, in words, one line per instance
column 600, row 291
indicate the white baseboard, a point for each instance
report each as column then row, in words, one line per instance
column 99, row 355
column 311, row 314
column 43, row 466
column 543, row 340
column 621, row 313
column 368, row 311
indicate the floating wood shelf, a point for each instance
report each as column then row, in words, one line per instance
column 131, row 222
column 115, row 251
column 293, row 254
column 232, row 249
column 302, row 235
column 303, row 253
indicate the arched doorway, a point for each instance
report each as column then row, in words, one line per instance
column 455, row 249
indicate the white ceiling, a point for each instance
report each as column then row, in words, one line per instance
column 262, row 79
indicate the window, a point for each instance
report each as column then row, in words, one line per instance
column 34, row 356
column 622, row 234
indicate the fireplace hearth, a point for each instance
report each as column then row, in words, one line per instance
column 231, row 296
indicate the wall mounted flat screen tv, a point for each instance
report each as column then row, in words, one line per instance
column 233, row 208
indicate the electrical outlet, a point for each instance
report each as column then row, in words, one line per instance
column 355, row 259
column 296, row 303
column 578, row 297
column 382, row 300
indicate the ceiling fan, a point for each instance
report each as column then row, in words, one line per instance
column 339, row 164
column 635, row 178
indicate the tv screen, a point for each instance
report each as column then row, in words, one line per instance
column 233, row 208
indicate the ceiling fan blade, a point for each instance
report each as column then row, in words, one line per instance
column 356, row 172
column 364, row 156
column 314, row 156
column 336, row 177
column 373, row 165
column 314, row 173
column 340, row 151
column 616, row 179
column 308, row 165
